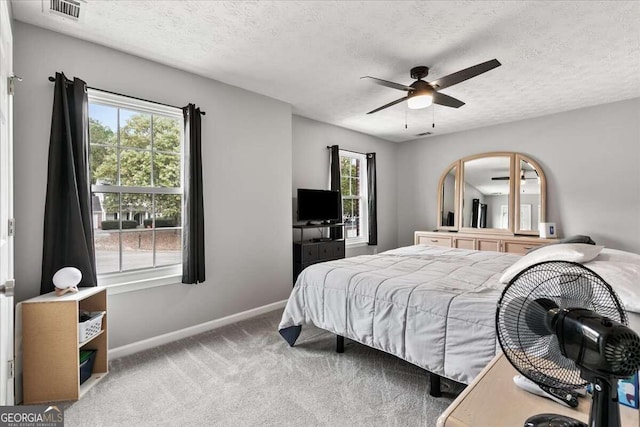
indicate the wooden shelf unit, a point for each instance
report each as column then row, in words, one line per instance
column 51, row 361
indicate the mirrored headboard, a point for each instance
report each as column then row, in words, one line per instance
column 480, row 193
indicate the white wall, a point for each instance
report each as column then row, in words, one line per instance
column 246, row 148
column 591, row 158
column 311, row 170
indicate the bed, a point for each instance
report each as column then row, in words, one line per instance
column 431, row 306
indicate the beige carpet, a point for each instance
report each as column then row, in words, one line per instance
column 246, row 375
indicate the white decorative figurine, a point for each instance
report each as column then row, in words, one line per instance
column 66, row 280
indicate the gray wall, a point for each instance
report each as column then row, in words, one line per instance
column 311, row 170
column 247, row 174
column 590, row 156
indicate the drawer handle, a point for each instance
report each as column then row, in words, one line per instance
column 434, row 240
column 529, row 247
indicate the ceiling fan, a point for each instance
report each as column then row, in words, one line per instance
column 523, row 176
column 422, row 94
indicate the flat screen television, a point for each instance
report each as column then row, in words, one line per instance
column 318, row 205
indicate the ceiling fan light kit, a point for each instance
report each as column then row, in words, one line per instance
column 421, row 94
column 418, row 100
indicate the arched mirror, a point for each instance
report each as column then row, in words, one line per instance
column 479, row 194
column 447, row 199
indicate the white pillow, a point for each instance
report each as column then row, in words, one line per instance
column 621, row 270
column 623, row 278
column 575, row 252
column 616, row 255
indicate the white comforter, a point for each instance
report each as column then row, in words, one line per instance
column 433, row 307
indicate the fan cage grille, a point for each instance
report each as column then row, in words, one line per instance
column 532, row 350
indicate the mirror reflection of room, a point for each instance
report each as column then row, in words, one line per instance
column 529, row 197
column 486, row 193
column 449, row 198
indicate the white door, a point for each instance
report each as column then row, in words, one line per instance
column 6, row 210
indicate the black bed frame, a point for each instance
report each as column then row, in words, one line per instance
column 434, row 379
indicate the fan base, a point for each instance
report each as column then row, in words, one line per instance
column 553, row 420
column 419, row 72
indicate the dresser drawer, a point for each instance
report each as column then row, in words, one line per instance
column 435, row 241
column 338, row 249
column 465, row 243
column 307, row 252
column 488, row 245
column 519, row 247
column 325, row 250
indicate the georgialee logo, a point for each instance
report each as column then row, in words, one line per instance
column 31, row 416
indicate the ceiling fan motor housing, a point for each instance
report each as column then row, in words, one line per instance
column 420, row 87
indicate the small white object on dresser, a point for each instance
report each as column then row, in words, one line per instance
column 548, row 230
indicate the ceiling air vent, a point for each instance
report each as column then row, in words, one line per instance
column 66, row 8
column 424, row 134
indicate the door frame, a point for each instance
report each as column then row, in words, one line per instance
column 7, row 364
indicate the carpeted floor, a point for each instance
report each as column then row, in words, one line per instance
column 246, row 375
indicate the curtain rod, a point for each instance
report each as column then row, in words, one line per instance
column 350, row 151
column 53, row 79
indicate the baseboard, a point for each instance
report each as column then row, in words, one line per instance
column 135, row 347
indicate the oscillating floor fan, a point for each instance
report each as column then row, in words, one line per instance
column 562, row 326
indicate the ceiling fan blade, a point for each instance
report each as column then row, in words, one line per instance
column 446, row 100
column 467, row 73
column 387, row 105
column 387, row 83
column 500, row 178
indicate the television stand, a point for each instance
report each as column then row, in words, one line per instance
column 320, row 249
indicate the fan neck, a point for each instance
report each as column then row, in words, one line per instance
column 605, row 410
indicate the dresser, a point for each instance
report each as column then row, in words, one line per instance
column 480, row 242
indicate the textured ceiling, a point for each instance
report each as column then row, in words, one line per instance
column 555, row 55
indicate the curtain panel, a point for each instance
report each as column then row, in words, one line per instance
column 335, row 232
column 193, row 260
column 372, row 197
column 68, row 225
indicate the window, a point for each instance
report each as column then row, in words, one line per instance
column 136, row 183
column 353, row 183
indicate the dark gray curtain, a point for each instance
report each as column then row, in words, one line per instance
column 193, row 232
column 68, row 228
column 372, row 198
column 336, row 233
